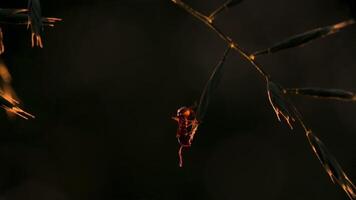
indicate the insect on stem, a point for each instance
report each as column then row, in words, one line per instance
column 189, row 120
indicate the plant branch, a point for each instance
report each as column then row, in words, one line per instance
column 224, row 37
column 226, row 5
column 277, row 94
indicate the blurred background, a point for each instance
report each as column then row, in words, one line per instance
column 113, row 73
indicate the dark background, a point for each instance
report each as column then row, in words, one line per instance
column 113, row 73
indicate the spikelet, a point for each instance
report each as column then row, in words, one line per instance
column 304, row 38
column 335, row 94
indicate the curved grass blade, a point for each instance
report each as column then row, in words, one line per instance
column 210, row 87
column 331, row 166
column 304, row 38
column 280, row 104
column 226, row 5
column 336, row 94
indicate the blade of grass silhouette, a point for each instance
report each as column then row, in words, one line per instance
column 304, row 38
column 224, row 37
column 281, row 105
column 322, row 93
column 328, row 161
column 210, row 87
column 226, row 5
column 331, row 166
